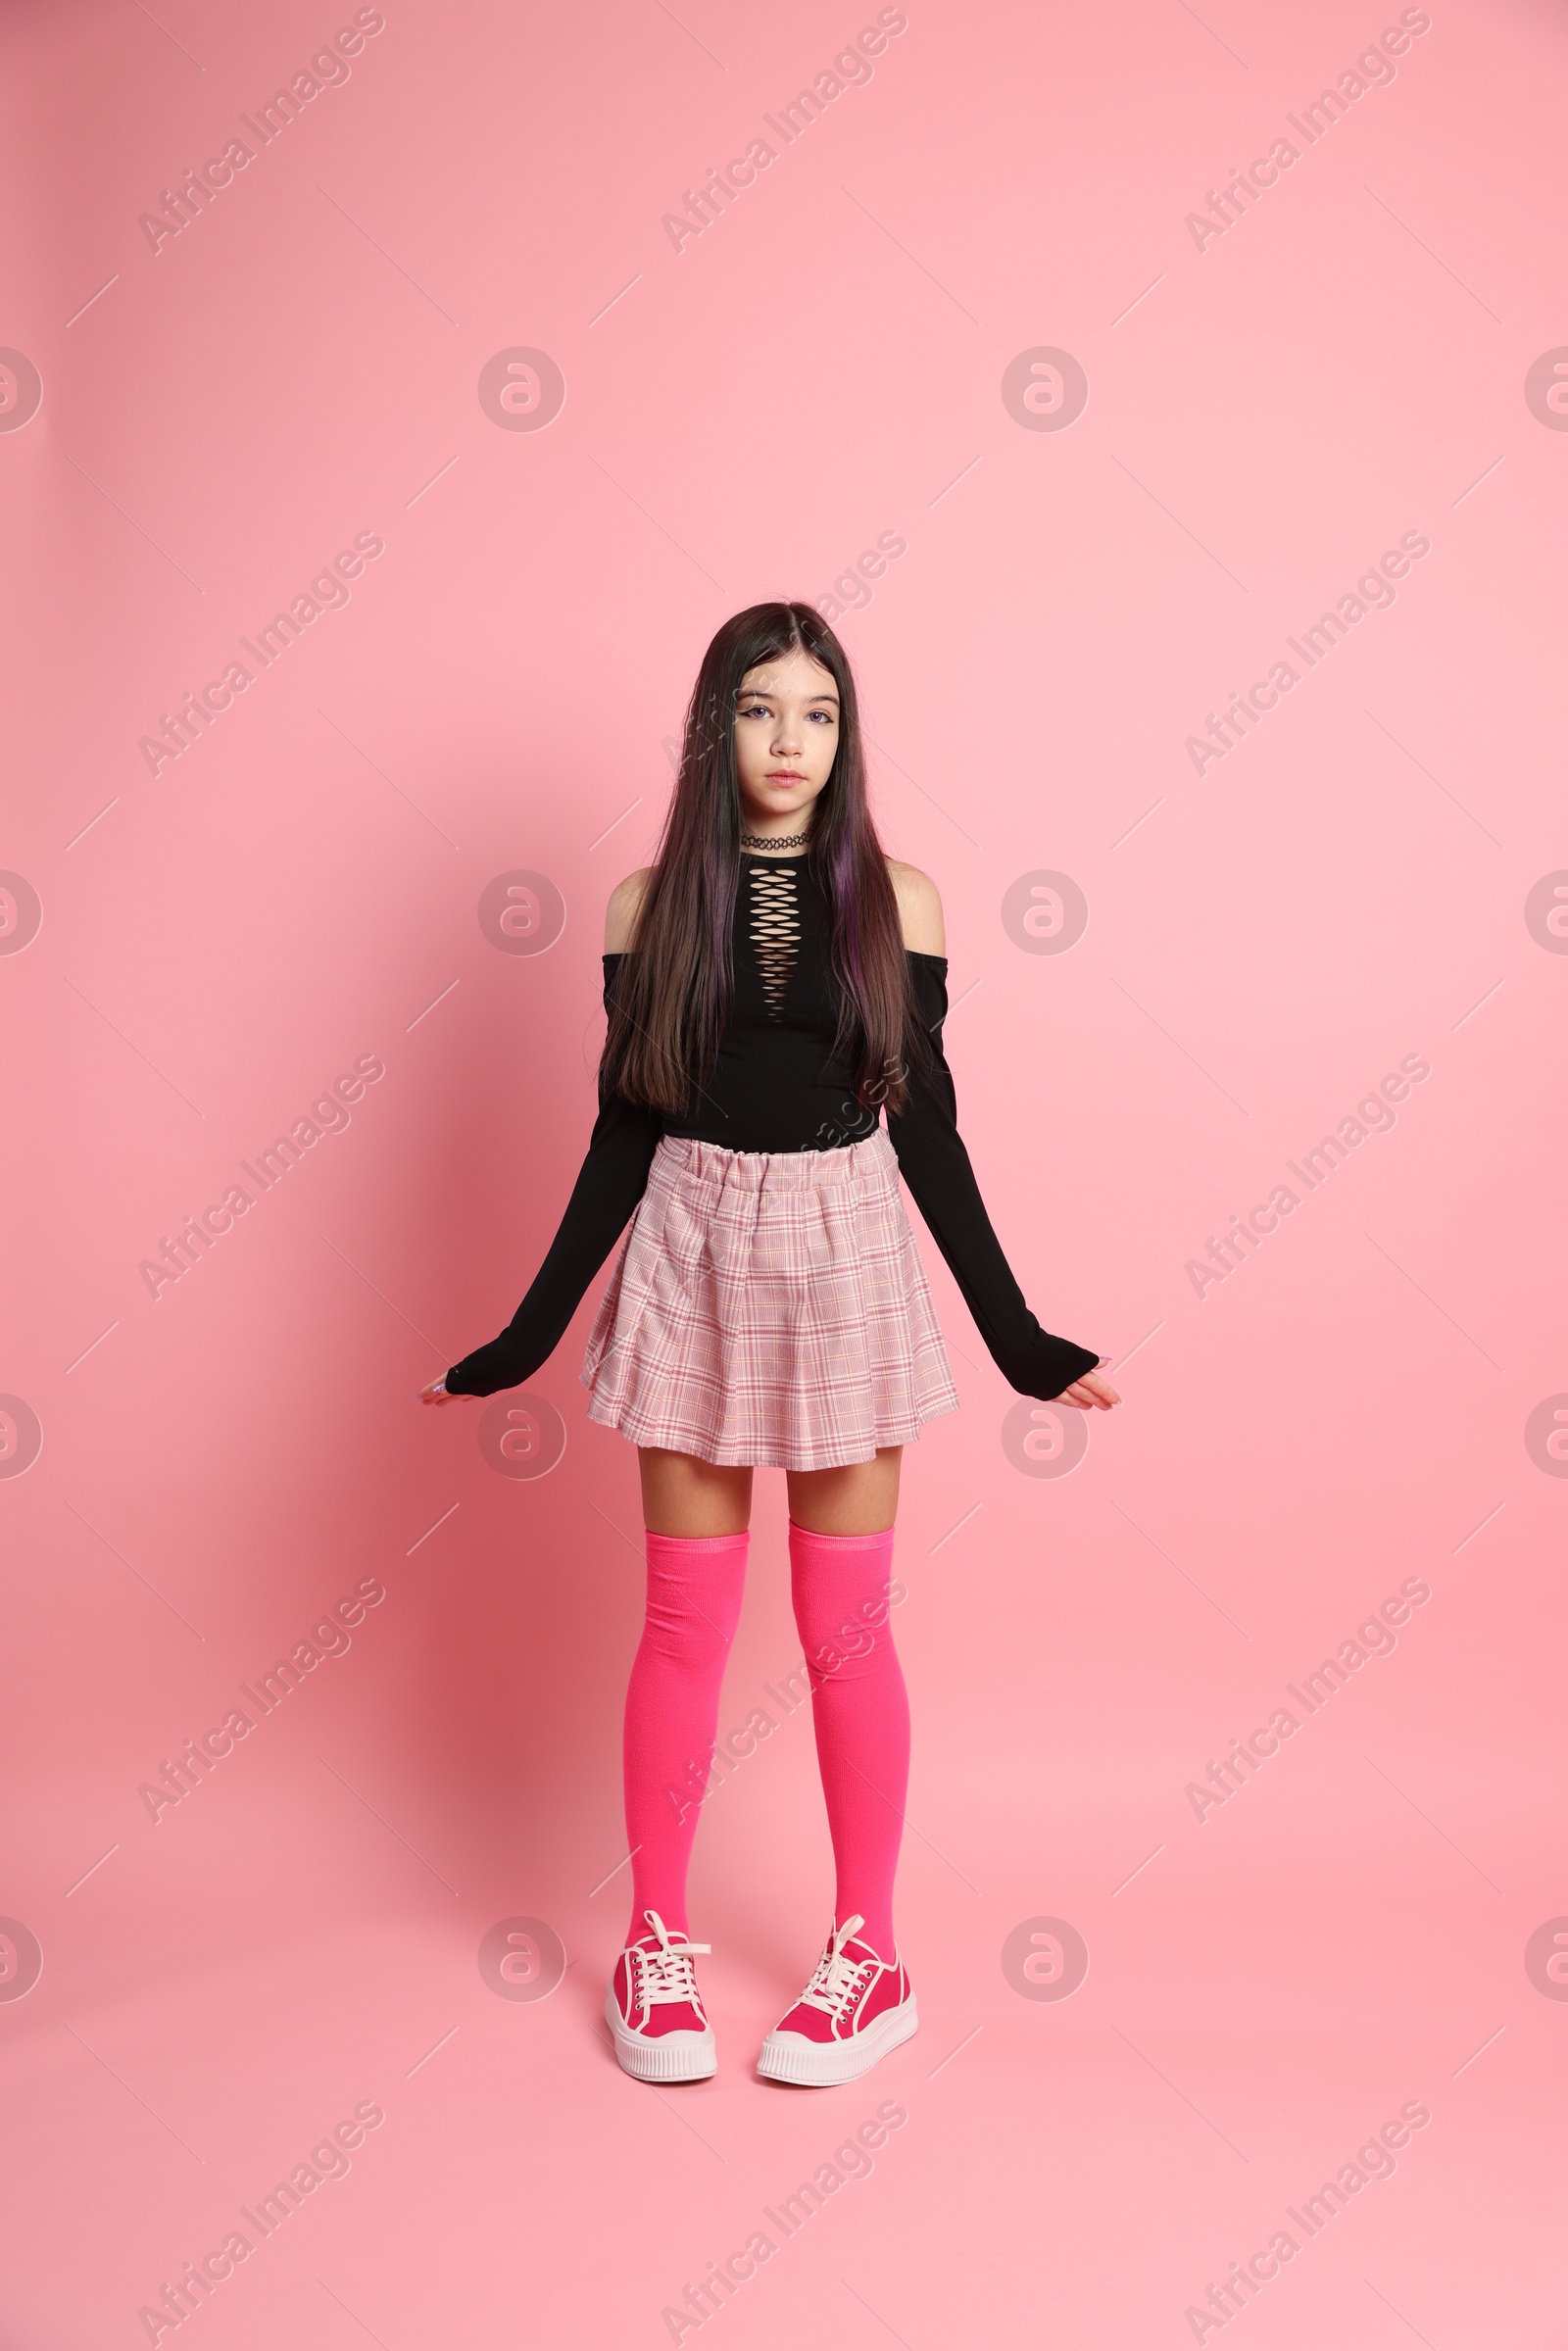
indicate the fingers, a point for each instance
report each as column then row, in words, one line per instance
column 435, row 1393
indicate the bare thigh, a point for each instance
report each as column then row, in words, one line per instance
column 683, row 1496
column 861, row 1498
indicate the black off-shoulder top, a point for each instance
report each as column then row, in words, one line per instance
column 777, row 1087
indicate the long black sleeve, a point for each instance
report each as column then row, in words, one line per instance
column 612, row 1180
column 935, row 1165
column 759, row 1099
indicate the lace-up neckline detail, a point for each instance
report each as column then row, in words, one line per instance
column 773, row 923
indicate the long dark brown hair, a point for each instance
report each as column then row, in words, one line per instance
column 668, row 1005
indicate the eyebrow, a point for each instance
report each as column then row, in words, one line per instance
column 765, row 694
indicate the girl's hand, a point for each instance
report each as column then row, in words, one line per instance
column 436, row 1393
column 1091, row 1393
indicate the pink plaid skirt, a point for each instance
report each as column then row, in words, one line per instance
column 769, row 1308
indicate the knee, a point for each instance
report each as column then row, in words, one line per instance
column 845, row 1645
column 691, row 1629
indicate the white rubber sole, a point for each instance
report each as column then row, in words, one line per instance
column 820, row 2064
column 671, row 2057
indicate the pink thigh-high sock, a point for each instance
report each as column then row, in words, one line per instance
column 842, row 1587
column 694, row 1585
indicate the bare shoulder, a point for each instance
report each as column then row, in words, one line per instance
column 620, row 915
column 919, row 909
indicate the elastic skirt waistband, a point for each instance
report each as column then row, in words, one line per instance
column 685, row 1159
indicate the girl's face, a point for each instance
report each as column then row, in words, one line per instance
column 786, row 735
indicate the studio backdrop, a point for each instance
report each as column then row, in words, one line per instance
column 1168, row 406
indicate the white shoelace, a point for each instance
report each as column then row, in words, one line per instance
column 668, row 1974
column 837, row 1979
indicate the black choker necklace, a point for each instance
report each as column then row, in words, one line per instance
column 774, row 840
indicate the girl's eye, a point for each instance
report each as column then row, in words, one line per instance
column 760, row 709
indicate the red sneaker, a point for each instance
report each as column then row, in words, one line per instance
column 655, row 2010
column 856, row 2007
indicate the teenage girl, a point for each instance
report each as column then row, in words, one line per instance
column 772, row 984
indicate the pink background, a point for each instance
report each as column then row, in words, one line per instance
column 1346, row 1410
